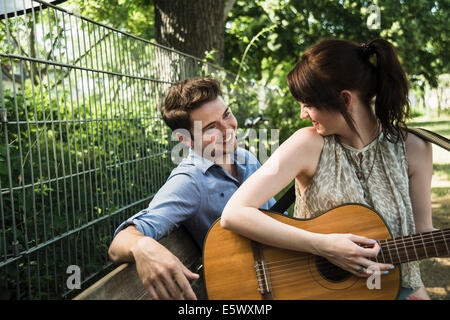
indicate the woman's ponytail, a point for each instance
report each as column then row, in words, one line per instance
column 333, row 65
column 391, row 103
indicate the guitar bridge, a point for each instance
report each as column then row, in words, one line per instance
column 262, row 272
column 262, row 276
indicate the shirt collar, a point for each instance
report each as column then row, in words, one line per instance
column 240, row 159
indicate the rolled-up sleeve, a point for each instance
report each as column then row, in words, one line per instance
column 177, row 200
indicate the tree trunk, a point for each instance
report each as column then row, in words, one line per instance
column 192, row 27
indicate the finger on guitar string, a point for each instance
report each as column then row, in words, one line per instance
column 367, row 267
column 359, row 267
column 369, row 247
column 348, row 264
column 372, row 252
column 363, row 271
column 346, row 252
column 356, row 270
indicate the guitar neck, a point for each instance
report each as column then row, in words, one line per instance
column 415, row 247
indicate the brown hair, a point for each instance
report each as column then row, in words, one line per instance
column 185, row 96
column 331, row 65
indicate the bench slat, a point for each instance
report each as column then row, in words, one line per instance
column 123, row 283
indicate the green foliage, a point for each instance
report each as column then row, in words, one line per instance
column 70, row 156
column 135, row 17
column 80, row 152
column 61, row 168
column 418, row 29
column 265, row 38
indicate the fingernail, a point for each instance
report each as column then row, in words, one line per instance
column 373, row 240
column 392, row 267
column 386, row 272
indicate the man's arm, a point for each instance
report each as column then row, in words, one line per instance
column 161, row 272
column 120, row 248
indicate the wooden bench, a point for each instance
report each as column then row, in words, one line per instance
column 123, row 283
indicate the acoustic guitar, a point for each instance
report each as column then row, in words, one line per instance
column 237, row 268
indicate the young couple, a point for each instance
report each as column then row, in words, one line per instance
column 357, row 151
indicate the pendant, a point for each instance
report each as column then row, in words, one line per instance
column 359, row 174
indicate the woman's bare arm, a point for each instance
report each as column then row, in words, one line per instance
column 298, row 156
column 420, row 167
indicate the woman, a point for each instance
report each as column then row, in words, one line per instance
column 357, row 151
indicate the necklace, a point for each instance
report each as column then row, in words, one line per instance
column 358, row 168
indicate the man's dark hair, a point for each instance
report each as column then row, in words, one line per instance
column 186, row 96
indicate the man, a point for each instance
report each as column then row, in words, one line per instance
column 196, row 191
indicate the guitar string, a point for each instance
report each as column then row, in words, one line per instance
column 435, row 240
column 283, row 270
column 392, row 242
column 331, row 266
column 275, row 274
column 298, row 271
column 294, row 264
column 296, row 268
column 285, row 267
column 277, row 282
column 290, row 283
column 417, row 241
column 280, row 266
column 438, row 237
column 300, row 275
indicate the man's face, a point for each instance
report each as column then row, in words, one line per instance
column 216, row 125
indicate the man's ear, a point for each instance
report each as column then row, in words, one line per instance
column 184, row 137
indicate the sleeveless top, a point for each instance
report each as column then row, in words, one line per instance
column 384, row 180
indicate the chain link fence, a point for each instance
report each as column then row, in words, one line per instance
column 82, row 143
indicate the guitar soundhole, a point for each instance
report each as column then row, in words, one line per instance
column 330, row 271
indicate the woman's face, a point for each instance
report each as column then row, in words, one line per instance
column 325, row 122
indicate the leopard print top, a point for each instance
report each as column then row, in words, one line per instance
column 384, row 181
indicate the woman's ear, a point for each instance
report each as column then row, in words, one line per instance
column 348, row 98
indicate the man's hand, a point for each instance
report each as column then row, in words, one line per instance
column 162, row 273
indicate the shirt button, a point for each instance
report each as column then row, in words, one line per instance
column 222, row 195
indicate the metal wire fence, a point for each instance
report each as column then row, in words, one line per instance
column 82, row 143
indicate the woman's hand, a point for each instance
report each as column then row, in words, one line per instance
column 347, row 252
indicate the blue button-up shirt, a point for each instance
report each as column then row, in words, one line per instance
column 194, row 195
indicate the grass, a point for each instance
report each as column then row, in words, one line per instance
column 435, row 271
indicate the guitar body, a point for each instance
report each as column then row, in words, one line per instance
column 230, row 273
